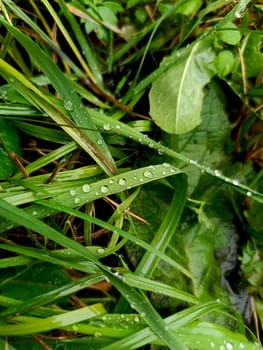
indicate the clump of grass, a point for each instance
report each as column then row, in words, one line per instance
column 121, row 217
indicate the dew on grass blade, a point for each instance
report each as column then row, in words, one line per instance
column 104, row 189
column 106, row 126
column 86, row 188
column 148, row 173
column 122, row 182
column 77, row 200
column 218, row 173
column 72, row 192
column 68, row 105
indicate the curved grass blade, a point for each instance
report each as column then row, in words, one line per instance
column 80, row 134
column 50, row 43
column 31, row 325
column 167, row 228
column 139, row 302
column 70, row 99
column 51, row 296
column 125, row 130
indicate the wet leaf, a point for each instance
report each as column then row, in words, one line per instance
column 176, row 97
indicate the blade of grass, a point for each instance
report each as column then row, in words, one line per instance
column 166, row 230
column 34, row 325
column 85, row 139
column 134, row 297
column 50, row 43
column 51, row 296
column 69, row 97
column 84, row 44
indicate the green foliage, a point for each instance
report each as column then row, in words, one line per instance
column 176, row 96
column 128, row 223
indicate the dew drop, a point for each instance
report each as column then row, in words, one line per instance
column 72, row 192
column 100, row 250
column 111, row 182
column 151, row 144
column 235, row 182
column 136, row 319
column 218, row 173
column 76, row 200
column 212, row 344
column 192, row 161
column 86, row 188
column 160, row 151
column 166, row 165
column 68, row 105
column 122, row 182
column 241, row 346
column 35, row 212
column 249, row 194
column 104, row 189
column 229, row 346
column 106, row 126
column 97, row 334
column 100, row 142
column 118, row 126
column 148, row 174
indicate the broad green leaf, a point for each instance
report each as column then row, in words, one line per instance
column 176, row 97
column 190, row 7
column 253, row 55
column 205, row 144
column 224, row 63
column 229, row 34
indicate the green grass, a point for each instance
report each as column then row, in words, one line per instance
column 131, row 183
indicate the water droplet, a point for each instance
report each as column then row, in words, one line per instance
column 249, row 194
column 122, row 182
column 235, row 182
column 97, row 334
column 212, row 344
column 100, row 250
column 143, row 314
column 241, row 346
column 104, row 189
column 72, row 192
column 148, row 174
column 111, row 181
column 136, row 319
column 192, row 161
column 106, row 126
column 229, row 346
column 151, row 144
column 140, row 140
column 135, row 177
column 35, row 212
column 76, row 200
column 222, row 347
column 166, row 165
column 163, row 172
column 86, row 188
column 160, row 151
column 238, row 14
column 68, row 105
column 118, row 126
column 218, row 173
column 100, row 142
column 141, row 180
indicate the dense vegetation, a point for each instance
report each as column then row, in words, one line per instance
column 131, row 174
